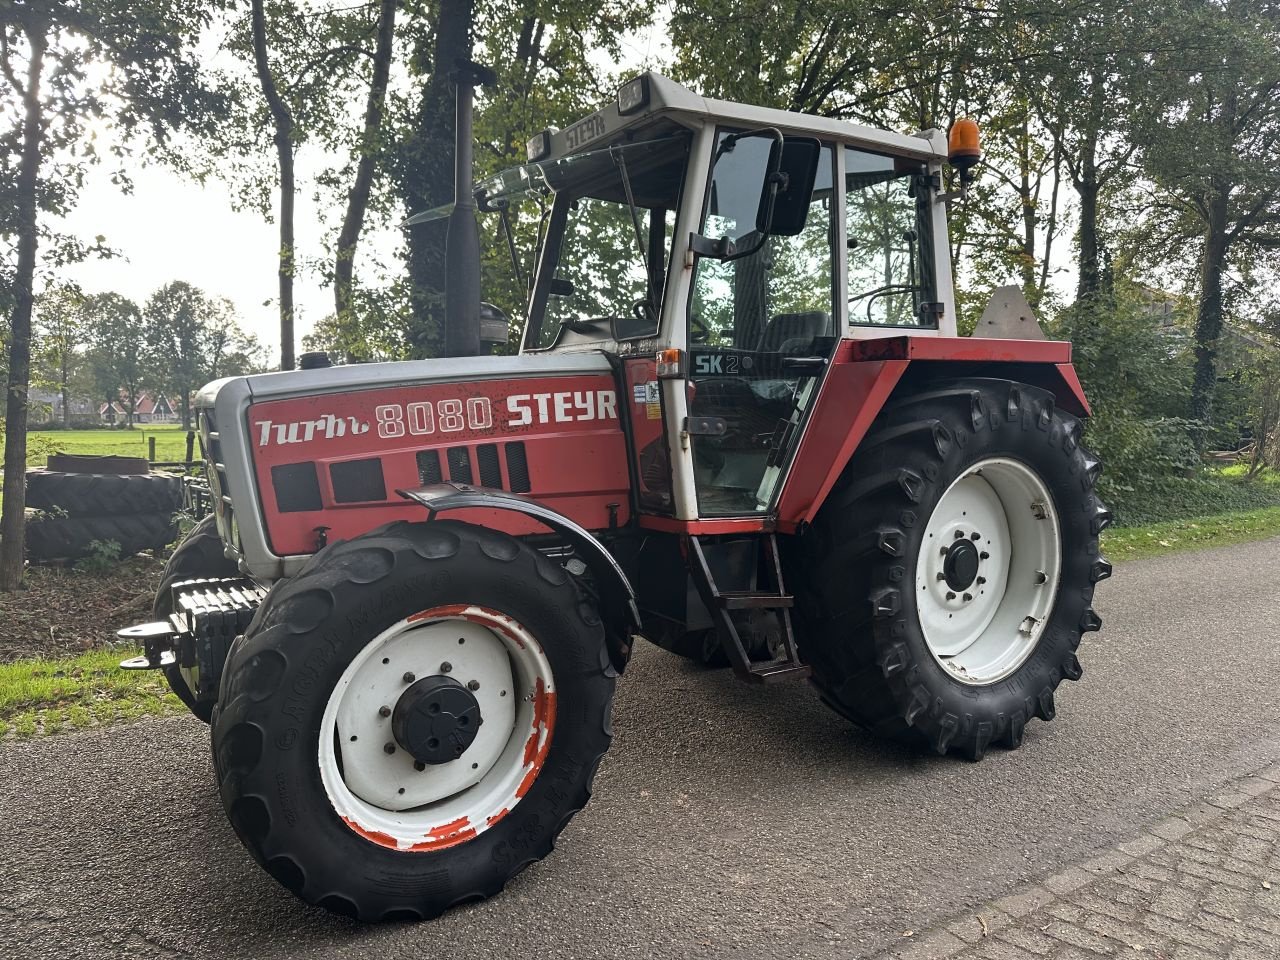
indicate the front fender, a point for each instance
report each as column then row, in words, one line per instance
column 622, row 616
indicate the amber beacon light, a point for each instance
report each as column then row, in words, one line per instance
column 963, row 149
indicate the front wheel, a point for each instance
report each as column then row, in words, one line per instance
column 413, row 719
column 968, row 521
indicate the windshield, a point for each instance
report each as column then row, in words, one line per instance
column 608, row 240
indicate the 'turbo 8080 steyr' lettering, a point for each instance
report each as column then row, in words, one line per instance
column 740, row 425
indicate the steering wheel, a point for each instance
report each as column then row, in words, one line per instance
column 872, row 295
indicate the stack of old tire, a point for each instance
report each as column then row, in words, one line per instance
column 81, row 500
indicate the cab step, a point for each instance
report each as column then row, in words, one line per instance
column 720, row 603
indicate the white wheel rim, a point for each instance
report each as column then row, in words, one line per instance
column 983, row 632
column 447, row 803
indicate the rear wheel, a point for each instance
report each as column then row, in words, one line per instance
column 968, row 520
column 413, row 719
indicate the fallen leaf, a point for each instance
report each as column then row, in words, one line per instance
column 983, row 921
column 1266, row 884
column 1164, row 543
column 908, row 933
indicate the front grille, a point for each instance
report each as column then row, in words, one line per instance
column 429, row 467
column 487, row 461
column 459, row 464
column 518, row 467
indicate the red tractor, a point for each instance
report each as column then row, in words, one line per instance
column 740, row 426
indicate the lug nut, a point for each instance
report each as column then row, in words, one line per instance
column 473, row 684
column 981, row 581
column 419, row 765
column 984, row 555
column 967, row 597
column 446, row 667
column 388, row 748
column 940, row 577
column 384, row 711
column 959, row 534
column 950, row 595
column 409, row 677
column 975, row 536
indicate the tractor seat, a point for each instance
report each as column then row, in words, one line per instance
column 793, row 332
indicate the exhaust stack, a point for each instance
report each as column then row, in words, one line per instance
column 462, row 245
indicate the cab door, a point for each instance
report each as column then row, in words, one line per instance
column 761, row 331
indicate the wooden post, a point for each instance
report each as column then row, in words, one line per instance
column 191, row 445
column 151, row 448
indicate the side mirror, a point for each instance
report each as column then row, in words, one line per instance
column 495, row 327
column 793, row 167
column 786, row 192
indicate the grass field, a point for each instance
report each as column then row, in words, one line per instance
column 171, row 443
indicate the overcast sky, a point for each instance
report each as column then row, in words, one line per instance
column 171, row 228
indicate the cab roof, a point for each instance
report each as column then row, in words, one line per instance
column 664, row 98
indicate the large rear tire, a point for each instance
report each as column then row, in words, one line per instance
column 199, row 556
column 324, row 774
column 968, row 523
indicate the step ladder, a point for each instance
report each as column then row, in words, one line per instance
column 722, row 603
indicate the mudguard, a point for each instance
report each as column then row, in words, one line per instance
column 615, row 589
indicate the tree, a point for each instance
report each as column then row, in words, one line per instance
column 229, row 351
column 188, row 337
column 117, row 349
column 368, row 150
column 1210, row 147
column 282, row 121
column 67, row 64
column 59, row 335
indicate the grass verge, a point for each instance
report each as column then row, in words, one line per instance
column 49, row 696
column 1196, row 533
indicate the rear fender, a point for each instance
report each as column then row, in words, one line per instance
column 866, row 374
column 618, row 600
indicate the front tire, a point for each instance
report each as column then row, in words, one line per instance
column 348, row 803
column 967, row 520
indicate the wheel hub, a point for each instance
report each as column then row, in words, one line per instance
column 960, row 567
column 436, row 719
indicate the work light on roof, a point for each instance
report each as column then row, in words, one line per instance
column 539, row 146
column 633, row 95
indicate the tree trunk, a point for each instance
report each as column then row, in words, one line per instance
column 12, row 514
column 358, row 198
column 427, row 177
column 1027, row 260
column 1209, row 309
column 282, row 119
column 1089, row 283
column 66, row 375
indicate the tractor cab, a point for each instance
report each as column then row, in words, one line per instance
column 721, row 252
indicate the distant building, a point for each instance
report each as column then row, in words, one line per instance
column 150, row 408
column 45, row 406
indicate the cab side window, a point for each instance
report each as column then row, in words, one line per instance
column 890, row 243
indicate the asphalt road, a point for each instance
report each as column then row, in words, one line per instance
column 727, row 821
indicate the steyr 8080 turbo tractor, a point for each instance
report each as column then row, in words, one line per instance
column 740, row 426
